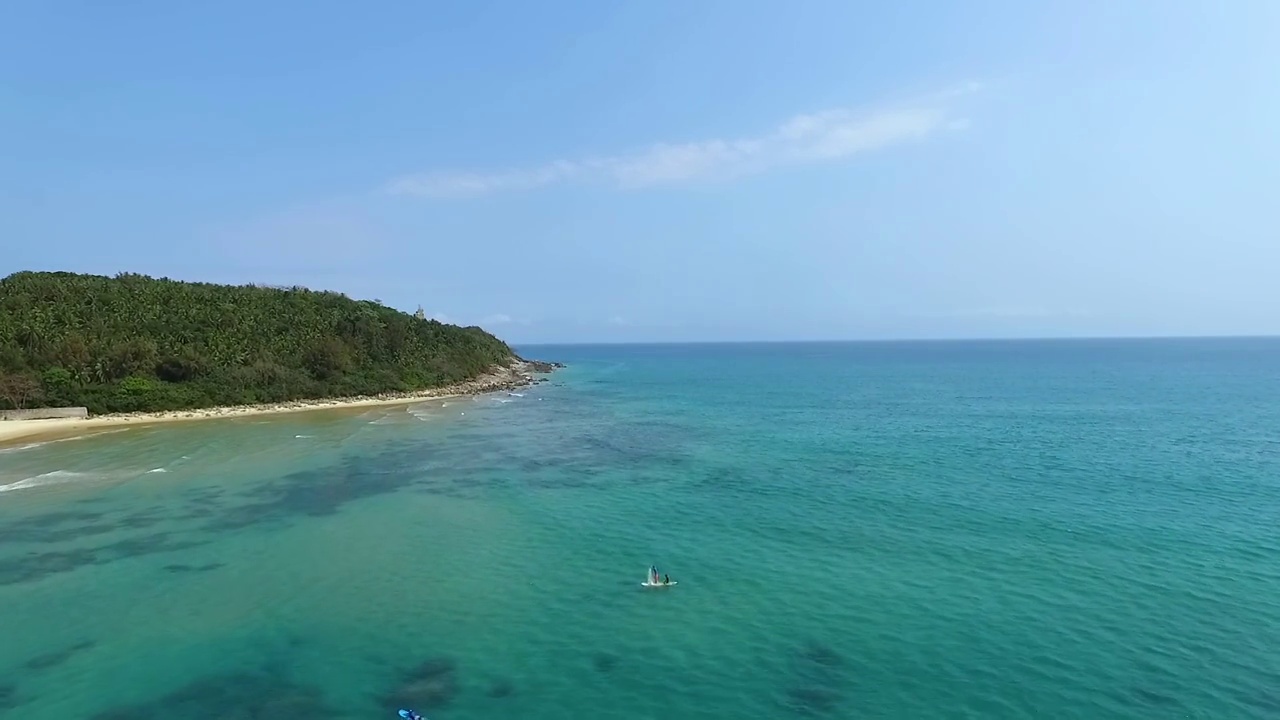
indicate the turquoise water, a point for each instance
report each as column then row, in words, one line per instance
column 934, row 530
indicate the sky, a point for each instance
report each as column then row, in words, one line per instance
column 665, row 171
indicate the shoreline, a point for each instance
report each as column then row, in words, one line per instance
column 521, row 373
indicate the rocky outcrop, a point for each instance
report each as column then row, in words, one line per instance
column 516, row 375
column 520, row 373
column 539, row 366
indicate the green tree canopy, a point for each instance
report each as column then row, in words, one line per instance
column 136, row 343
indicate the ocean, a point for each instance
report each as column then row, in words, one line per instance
column 1047, row 529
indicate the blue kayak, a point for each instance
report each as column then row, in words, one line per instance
column 411, row 715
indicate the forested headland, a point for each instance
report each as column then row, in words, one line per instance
column 133, row 343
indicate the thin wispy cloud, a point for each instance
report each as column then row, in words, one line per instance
column 829, row 136
column 488, row 321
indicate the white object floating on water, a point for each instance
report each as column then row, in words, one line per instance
column 648, row 580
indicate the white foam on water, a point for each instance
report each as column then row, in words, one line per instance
column 421, row 411
column 304, row 436
column 34, row 445
column 20, row 448
column 157, row 470
column 57, row 477
column 424, row 417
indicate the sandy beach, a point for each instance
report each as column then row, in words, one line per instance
column 518, row 375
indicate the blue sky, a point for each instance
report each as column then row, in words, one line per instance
column 716, row 170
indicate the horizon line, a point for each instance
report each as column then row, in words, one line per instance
column 916, row 340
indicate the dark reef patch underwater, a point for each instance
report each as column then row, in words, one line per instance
column 250, row 696
column 431, row 684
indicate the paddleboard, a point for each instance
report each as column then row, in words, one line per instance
column 652, row 584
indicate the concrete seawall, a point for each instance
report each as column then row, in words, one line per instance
column 45, row 413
